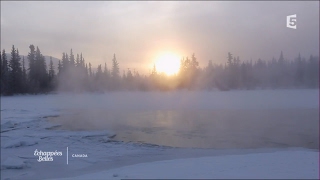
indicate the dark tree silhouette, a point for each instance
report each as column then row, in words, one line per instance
column 24, row 78
column 15, row 74
column 72, row 60
column 4, row 74
column 115, row 74
column 51, row 69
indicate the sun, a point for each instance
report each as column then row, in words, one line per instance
column 168, row 63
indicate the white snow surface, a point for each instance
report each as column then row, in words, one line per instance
column 24, row 141
column 276, row 165
column 24, row 129
column 13, row 163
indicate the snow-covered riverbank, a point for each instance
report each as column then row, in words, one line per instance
column 290, row 164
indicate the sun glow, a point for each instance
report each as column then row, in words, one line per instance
column 168, row 63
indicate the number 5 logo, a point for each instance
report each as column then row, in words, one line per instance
column 292, row 21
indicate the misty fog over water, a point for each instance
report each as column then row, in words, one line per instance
column 205, row 128
column 255, row 119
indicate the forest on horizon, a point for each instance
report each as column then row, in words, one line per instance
column 74, row 74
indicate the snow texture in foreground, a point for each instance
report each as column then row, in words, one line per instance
column 13, row 163
column 20, row 142
column 285, row 164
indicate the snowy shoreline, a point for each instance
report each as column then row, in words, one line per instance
column 300, row 164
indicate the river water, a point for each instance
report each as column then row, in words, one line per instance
column 218, row 128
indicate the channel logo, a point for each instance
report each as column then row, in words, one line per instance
column 292, row 21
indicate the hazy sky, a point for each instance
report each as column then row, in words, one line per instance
column 138, row 31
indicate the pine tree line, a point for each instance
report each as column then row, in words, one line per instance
column 76, row 75
column 262, row 74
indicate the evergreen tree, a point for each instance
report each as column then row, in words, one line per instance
column 106, row 75
column 1, row 67
column 78, row 61
column 32, row 76
column 1, row 62
column 154, row 70
column 188, row 72
column 154, row 77
column 81, row 60
column 194, row 63
column 15, row 75
column 282, row 71
column 129, row 76
column 65, row 62
column 281, row 58
column 24, row 77
column 98, row 78
column 90, row 71
column 115, row 68
column 72, row 60
column 41, row 72
column 209, row 75
column 299, row 72
column 4, row 74
column 51, row 75
column 51, row 70
column 59, row 68
column 232, row 71
column 229, row 59
column 313, row 72
column 99, row 71
column 87, row 71
column 115, row 74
